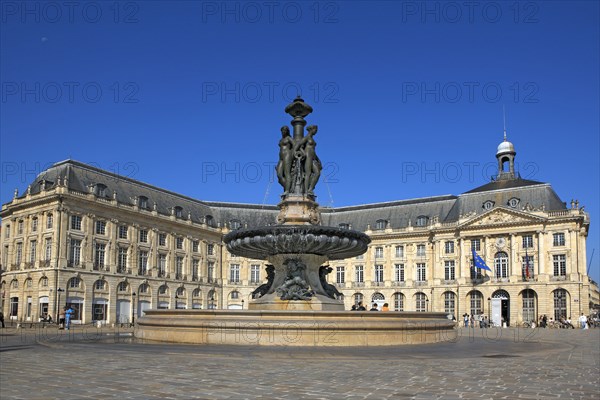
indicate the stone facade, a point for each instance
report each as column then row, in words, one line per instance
column 112, row 247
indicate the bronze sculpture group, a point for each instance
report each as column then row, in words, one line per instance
column 299, row 167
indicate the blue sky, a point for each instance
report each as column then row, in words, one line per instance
column 408, row 95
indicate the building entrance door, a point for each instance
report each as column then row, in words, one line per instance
column 501, row 308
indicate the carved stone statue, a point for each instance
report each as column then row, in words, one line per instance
column 286, row 157
column 329, row 288
column 295, row 287
column 264, row 288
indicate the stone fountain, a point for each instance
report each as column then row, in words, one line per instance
column 296, row 306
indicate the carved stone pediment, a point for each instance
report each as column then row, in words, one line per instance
column 501, row 216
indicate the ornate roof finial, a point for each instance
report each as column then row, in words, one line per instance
column 504, row 120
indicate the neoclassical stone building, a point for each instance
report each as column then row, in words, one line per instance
column 112, row 247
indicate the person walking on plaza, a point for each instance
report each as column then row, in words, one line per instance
column 61, row 319
column 68, row 315
column 466, row 319
column 2, row 318
column 583, row 321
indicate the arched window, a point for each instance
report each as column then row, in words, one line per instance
column 197, row 293
column 74, row 283
column 529, row 313
column 560, row 304
column 476, row 302
column 44, row 281
column 501, row 264
column 358, row 298
column 449, row 303
column 144, row 288
column 234, row 295
column 421, row 302
column 123, row 287
column 180, row 291
column 163, row 289
column 398, row 302
column 100, row 284
column 377, row 297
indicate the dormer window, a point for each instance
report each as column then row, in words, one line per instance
column 422, row 220
column 178, row 212
column 513, row 202
column 344, row 225
column 380, row 224
column 235, row 224
column 143, row 202
column 101, row 190
column 488, row 205
column 210, row 221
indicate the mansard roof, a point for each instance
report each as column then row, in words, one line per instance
column 530, row 195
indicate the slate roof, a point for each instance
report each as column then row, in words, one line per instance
column 400, row 214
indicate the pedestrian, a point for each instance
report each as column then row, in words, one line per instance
column 472, row 319
column 466, row 319
column 386, row 307
column 61, row 319
column 68, row 315
column 374, row 308
column 2, row 318
column 544, row 321
column 353, row 308
column 360, row 307
column 583, row 321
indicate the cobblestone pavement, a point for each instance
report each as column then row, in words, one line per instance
column 477, row 364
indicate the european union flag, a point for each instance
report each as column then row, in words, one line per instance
column 478, row 262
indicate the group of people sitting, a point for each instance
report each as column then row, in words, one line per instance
column 374, row 307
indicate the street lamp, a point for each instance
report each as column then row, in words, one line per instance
column 59, row 291
column 133, row 314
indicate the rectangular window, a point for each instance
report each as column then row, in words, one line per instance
column 143, row 263
column 558, row 239
column 210, row 272
column 122, row 231
column 179, row 243
column 399, row 272
column 527, row 242
column 20, row 228
column 254, row 273
column 359, row 276
column 122, row 260
column 48, row 249
column 399, row 251
column 378, row 252
column 76, row 222
column 162, row 239
column 528, row 267
column 143, row 236
column 34, row 225
column 99, row 256
column 179, row 267
column 476, row 244
column 449, row 303
column 378, row 273
column 340, row 274
column 234, row 273
column 449, row 247
column 195, row 266
column 100, row 227
column 210, row 249
column 49, row 221
column 162, row 265
column 19, row 254
column 75, row 252
column 449, row 271
column 421, row 276
column 501, row 265
column 420, row 250
column 7, row 233
column 475, row 272
column 195, row 244
column 32, row 251
column 14, row 306
column 560, row 264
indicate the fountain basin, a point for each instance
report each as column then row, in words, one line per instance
column 261, row 243
column 294, row 328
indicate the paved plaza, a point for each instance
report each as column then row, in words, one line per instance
column 87, row 363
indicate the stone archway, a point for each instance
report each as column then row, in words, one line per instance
column 500, row 308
